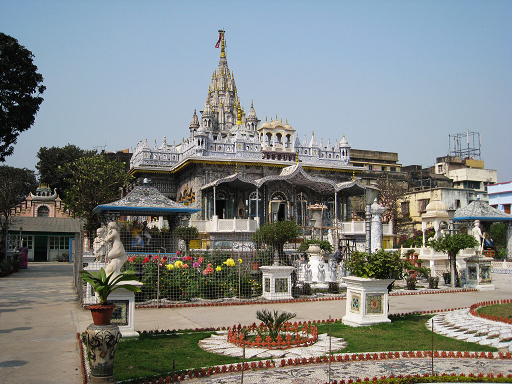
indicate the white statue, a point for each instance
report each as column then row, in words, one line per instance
column 117, row 255
column 477, row 234
column 99, row 248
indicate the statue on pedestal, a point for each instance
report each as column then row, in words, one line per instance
column 99, row 248
column 117, row 255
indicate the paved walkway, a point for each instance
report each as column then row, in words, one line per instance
column 40, row 316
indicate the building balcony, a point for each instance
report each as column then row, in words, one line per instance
column 216, row 225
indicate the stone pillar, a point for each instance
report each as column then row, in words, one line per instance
column 376, row 232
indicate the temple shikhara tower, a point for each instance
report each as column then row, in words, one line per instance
column 242, row 172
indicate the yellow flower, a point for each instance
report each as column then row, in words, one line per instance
column 230, row 262
column 169, row 267
column 240, row 261
column 178, row 264
column 218, row 268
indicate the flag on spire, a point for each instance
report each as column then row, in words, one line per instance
column 220, row 39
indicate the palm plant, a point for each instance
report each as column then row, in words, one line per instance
column 104, row 285
column 274, row 321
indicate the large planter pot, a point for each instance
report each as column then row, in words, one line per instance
column 101, row 313
column 367, row 301
column 101, row 341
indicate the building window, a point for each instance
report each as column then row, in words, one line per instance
column 506, row 208
column 404, row 207
column 43, row 211
column 392, row 169
column 59, row 242
column 422, row 205
column 457, row 203
column 440, row 168
column 14, row 243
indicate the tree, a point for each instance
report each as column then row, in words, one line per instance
column 392, row 192
column 93, row 181
column 15, row 185
column 20, row 92
column 452, row 245
column 52, row 163
column 275, row 235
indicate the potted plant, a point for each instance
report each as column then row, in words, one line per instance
column 104, row 285
column 372, row 276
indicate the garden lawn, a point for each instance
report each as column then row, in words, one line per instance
column 152, row 355
column 407, row 333
column 498, row 310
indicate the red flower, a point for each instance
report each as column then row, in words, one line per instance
column 146, row 260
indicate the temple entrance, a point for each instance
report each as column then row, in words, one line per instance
column 41, row 248
column 278, row 208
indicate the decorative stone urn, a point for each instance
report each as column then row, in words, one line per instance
column 317, row 265
column 101, row 341
column 367, row 301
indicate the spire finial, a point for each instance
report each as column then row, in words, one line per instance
column 239, row 115
column 222, row 43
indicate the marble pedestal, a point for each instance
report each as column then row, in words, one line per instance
column 124, row 312
column 277, row 282
column 478, row 273
column 367, row 301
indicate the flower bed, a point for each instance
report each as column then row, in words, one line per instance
column 178, row 277
column 257, row 336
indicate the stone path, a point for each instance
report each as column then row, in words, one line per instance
column 461, row 325
column 320, row 373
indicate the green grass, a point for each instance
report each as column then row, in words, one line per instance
column 152, row 355
column 408, row 333
column 498, row 310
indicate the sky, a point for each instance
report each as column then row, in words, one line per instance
column 392, row 76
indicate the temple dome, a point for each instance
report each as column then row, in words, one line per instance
column 436, row 205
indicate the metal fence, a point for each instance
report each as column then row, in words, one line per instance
column 224, row 266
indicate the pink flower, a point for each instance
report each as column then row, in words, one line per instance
column 196, row 265
column 178, row 253
column 208, row 271
column 200, row 260
column 184, row 266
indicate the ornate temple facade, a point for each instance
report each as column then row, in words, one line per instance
column 236, row 168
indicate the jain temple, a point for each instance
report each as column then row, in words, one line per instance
column 242, row 172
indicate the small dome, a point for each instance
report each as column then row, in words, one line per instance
column 266, row 124
column 436, row 205
column 344, row 142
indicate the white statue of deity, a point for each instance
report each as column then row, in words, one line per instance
column 99, row 248
column 117, row 255
column 477, row 234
